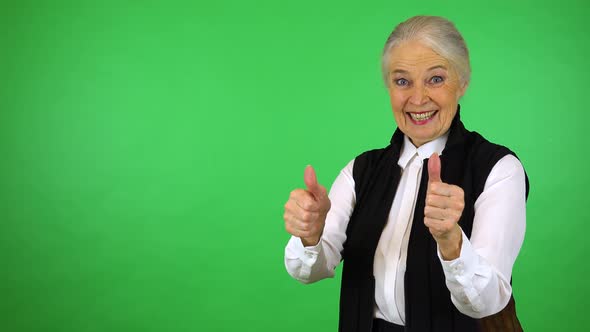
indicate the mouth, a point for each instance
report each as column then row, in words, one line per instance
column 420, row 118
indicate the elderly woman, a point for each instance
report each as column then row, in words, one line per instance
column 428, row 242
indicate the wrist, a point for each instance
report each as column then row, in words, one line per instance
column 450, row 245
column 310, row 241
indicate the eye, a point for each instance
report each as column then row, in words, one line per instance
column 401, row 82
column 437, row 79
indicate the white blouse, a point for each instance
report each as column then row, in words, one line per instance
column 478, row 280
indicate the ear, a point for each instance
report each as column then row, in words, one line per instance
column 462, row 89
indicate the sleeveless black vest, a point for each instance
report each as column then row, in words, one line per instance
column 467, row 160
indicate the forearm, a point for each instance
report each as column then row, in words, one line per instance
column 477, row 288
column 308, row 264
column 479, row 279
column 312, row 263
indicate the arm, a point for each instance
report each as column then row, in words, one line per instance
column 312, row 263
column 479, row 279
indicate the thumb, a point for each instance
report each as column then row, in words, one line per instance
column 434, row 168
column 311, row 181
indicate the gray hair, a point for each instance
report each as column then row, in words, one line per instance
column 436, row 32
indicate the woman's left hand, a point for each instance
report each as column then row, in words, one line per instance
column 442, row 211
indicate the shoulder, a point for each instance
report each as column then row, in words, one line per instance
column 370, row 156
column 494, row 162
column 366, row 162
column 508, row 170
column 508, row 165
column 485, row 151
column 484, row 155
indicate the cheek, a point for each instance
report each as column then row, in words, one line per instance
column 397, row 100
column 446, row 99
column 451, row 94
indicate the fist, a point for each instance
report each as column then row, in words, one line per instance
column 306, row 210
column 443, row 209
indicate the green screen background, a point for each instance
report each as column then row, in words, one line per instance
column 147, row 149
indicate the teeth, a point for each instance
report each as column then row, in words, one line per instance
column 422, row 116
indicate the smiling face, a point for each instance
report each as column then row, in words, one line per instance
column 424, row 90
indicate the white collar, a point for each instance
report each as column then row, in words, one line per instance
column 408, row 150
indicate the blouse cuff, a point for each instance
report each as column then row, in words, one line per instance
column 461, row 265
column 307, row 255
column 460, row 273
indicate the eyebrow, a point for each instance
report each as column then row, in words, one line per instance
column 401, row 71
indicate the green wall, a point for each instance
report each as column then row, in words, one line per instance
column 147, row 149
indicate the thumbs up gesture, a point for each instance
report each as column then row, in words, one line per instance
column 306, row 210
column 443, row 208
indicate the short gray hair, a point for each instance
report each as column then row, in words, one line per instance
column 436, row 32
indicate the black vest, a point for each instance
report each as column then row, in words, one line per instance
column 467, row 160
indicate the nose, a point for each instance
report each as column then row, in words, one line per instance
column 419, row 95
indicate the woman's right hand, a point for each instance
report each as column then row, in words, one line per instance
column 306, row 210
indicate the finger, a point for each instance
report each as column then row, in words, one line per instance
column 301, row 228
column 439, row 188
column 292, row 209
column 443, row 202
column 292, row 221
column 435, row 227
column 311, row 181
column 307, row 203
column 438, row 201
column 289, row 206
column 444, row 189
column 434, row 168
column 435, row 213
column 297, row 194
column 305, row 216
column 292, row 228
column 299, row 224
column 294, row 213
column 304, row 199
column 439, row 227
column 432, row 223
column 450, row 215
